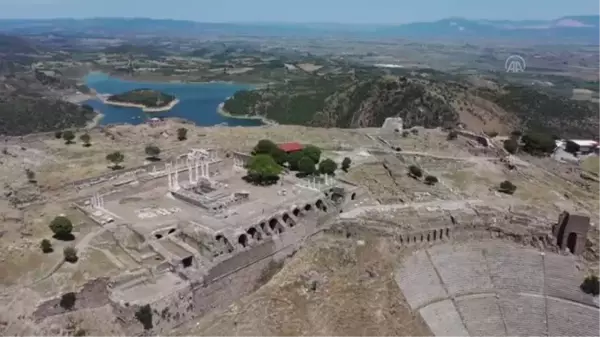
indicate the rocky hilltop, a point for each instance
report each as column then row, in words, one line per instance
column 35, row 102
column 426, row 99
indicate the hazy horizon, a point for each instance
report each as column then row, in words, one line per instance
column 371, row 12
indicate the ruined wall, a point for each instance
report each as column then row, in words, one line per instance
column 229, row 282
column 92, row 295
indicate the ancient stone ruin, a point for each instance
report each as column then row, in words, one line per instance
column 200, row 236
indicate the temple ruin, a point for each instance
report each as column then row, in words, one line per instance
column 199, row 235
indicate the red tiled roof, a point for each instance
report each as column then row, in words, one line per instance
column 291, row 147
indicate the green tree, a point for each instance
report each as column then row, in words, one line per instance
column 152, row 151
column 144, row 315
column 313, row 153
column 431, row 180
column 116, row 158
column 182, row 134
column 538, row 143
column 263, row 170
column 68, row 136
column 67, row 301
column 328, row 167
column 58, row 134
column 452, row 135
column 293, row 159
column 511, row 146
column 280, row 156
column 61, row 227
column 46, row 246
column 415, row 171
column 85, row 138
column 265, row 146
column 70, row 254
column 346, row 164
column 306, row 165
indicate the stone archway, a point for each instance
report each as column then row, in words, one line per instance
column 254, row 234
column 288, row 220
column 572, row 242
column 308, row 207
column 243, row 240
column 321, row 205
column 264, row 228
column 296, row 212
column 353, row 196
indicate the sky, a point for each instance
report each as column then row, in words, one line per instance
column 315, row 11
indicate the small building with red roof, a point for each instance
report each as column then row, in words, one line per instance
column 291, row 147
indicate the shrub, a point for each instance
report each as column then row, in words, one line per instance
column 511, row 146
column 30, row 175
column 405, row 134
column 492, row 134
column 58, row 134
column 590, row 285
column 431, row 180
column 61, row 227
column 68, row 136
column 452, row 135
column 144, row 315
column 415, row 171
column 70, row 254
column 414, row 131
column 152, row 151
column 116, row 158
column 182, row 134
column 507, row 187
column 346, row 164
column 67, row 301
column 516, row 134
column 46, row 246
column 85, row 138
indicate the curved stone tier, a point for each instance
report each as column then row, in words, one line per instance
column 495, row 289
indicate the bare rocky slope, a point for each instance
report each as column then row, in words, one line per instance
column 429, row 99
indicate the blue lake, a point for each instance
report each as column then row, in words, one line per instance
column 198, row 102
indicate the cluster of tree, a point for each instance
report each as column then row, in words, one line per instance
column 62, row 228
column 533, row 143
column 417, row 173
column 69, row 135
column 268, row 161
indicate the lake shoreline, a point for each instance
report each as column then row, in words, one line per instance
column 197, row 103
column 221, row 111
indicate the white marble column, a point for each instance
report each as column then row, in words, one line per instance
column 189, row 168
column 206, row 170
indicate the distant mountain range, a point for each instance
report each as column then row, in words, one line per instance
column 568, row 29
